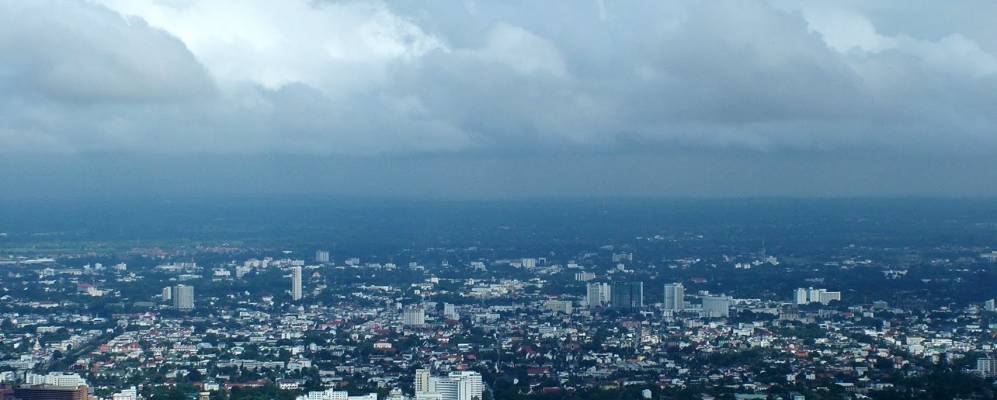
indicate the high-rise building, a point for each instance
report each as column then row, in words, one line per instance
column 469, row 385
column 627, row 295
column 716, row 306
column 674, row 297
column 450, row 311
column 597, row 294
column 800, row 296
column 414, row 316
column 990, row 305
column 183, row 297
column 167, row 293
column 296, row 283
column 422, row 380
column 443, row 387
column 322, row 256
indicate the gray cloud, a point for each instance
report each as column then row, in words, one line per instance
column 346, row 78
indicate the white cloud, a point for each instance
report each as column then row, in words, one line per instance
column 522, row 51
column 367, row 77
column 89, row 54
column 338, row 46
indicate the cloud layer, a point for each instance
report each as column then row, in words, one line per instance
column 356, row 77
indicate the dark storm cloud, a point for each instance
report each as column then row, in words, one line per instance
column 345, row 78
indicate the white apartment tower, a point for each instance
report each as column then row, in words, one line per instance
column 422, row 380
column 674, row 297
column 597, row 294
column 800, row 296
column 322, row 256
column 183, row 297
column 716, row 306
column 296, row 283
column 414, row 316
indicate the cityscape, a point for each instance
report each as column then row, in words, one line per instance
column 498, row 200
column 666, row 314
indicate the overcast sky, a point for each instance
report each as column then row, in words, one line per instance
column 498, row 99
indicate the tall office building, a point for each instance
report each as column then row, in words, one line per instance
column 322, row 256
column 183, row 297
column 167, row 293
column 296, row 283
column 597, row 294
column 674, row 297
column 716, row 306
column 627, row 295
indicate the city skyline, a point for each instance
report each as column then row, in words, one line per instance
column 498, row 200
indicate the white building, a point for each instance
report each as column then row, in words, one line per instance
column 422, row 380
column 800, row 296
column 674, row 297
column 55, row 379
column 462, row 385
column 584, row 276
column 558, row 306
column 716, row 306
column 127, row 394
column 296, row 283
column 183, row 297
column 414, row 316
column 597, row 294
column 321, row 256
column 332, row 394
column 450, row 311
column 825, row 297
column 811, row 295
